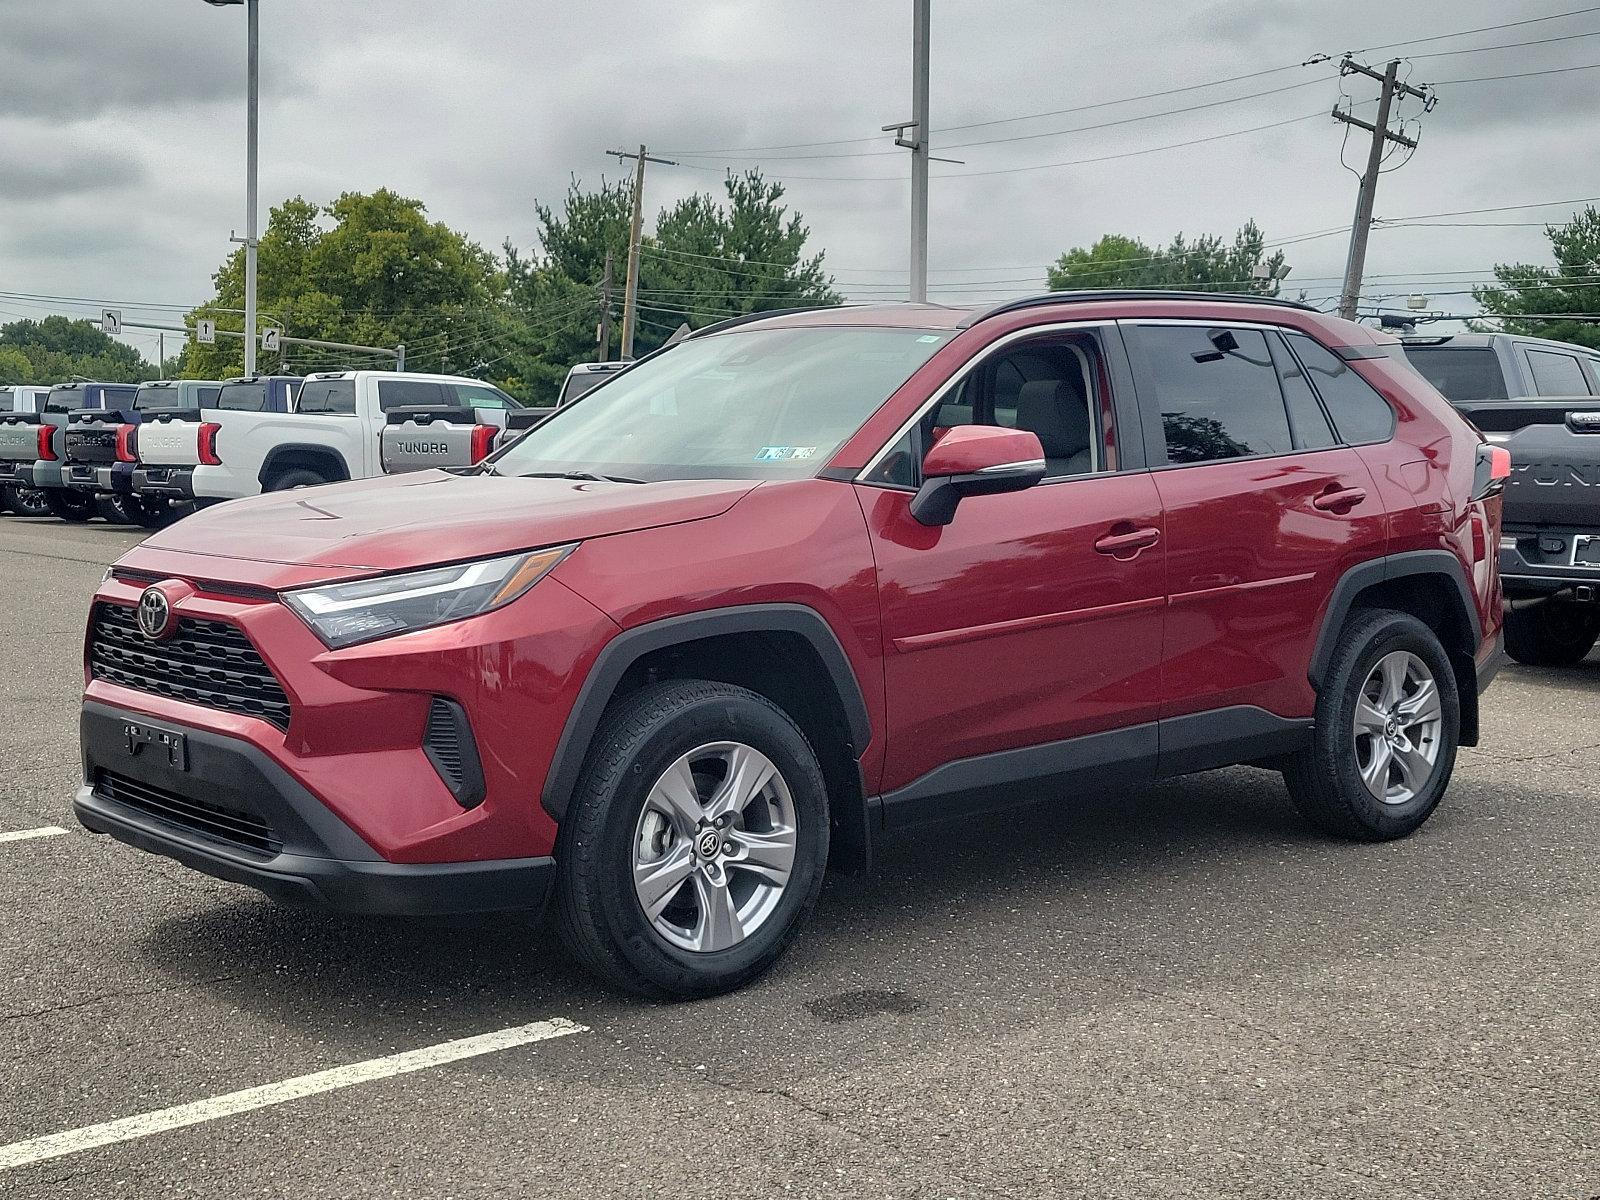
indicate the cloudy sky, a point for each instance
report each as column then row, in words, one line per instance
column 122, row 127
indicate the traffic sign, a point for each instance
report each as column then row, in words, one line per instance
column 205, row 332
column 110, row 321
column 271, row 338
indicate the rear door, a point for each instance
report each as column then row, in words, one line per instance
column 1032, row 622
column 1264, row 512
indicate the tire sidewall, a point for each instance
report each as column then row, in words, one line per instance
column 1398, row 632
column 734, row 717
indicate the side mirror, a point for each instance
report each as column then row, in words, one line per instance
column 975, row 460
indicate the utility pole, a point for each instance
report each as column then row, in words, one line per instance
column 603, row 353
column 161, row 355
column 631, row 291
column 917, row 143
column 1355, row 265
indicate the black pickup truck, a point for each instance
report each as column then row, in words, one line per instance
column 1541, row 401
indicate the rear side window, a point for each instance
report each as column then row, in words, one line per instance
column 242, row 397
column 1306, row 418
column 1557, row 374
column 402, row 393
column 66, row 400
column 1359, row 414
column 327, row 396
column 155, row 399
column 208, row 396
column 1218, row 392
column 1460, row 373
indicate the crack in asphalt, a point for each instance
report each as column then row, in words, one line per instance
column 88, row 1001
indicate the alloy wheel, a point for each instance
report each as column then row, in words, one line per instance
column 1398, row 724
column 714, row 848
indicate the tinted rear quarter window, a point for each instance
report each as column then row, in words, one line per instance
column 1217, row 401
column 1460, row 373
column 66, row 400
column 208, row 396
column 327, row 396
column 1556, row 374
column 1359, row 414
column 243, row 397
column 402, row 393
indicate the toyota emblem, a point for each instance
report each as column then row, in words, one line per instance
column 155, row 613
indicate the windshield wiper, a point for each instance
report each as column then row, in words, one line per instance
column 585, row 475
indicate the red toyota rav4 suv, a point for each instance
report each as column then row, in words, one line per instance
column 799, row 580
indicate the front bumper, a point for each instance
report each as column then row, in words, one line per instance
column 187, row 803
column 176, row 483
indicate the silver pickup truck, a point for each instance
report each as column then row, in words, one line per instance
column 22, row 440
column 420, row 437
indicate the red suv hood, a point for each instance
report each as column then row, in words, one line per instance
column 402, row 521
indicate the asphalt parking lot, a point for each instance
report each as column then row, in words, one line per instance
column 1178, row 991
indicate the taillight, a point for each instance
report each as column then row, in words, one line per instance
column 47, row 447
column 208, row 444
column 127, row 443
column 483, row 441
column 1491, row 472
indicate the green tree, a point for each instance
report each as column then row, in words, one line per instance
column 1208, row 263
column 369, row 269
column 706, row 259
column 14, row 366
column 58, row 348
column 1571, row 286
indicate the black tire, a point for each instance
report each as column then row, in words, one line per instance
column 117, row 510
column 1324, row 780
column 1552, row 634
column 134, row 510
column 69, row 505
column 27, row 502
column 295, row 477
column 599, row 912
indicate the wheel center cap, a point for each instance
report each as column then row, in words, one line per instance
column 708, row 843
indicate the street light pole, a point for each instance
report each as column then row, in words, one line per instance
column 252, row 125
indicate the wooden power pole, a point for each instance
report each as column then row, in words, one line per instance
column 630, row 295
column 603, row 352
column 1355, row 264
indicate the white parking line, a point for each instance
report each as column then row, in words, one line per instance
column 54, row 1145
column 18, row 835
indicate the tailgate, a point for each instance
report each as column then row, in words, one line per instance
column 19, row 437
column 91, row 437
column 417, row 439
column 1555, row 472
column 165, row 442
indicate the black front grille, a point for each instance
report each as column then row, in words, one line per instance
column 203, row 662
column 224, row 824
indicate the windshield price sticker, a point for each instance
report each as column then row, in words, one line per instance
column 784, row 453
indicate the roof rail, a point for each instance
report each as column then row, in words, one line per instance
column 747, row 318
column 1093, row 295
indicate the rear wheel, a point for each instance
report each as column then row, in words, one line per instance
column 27, row 501
column 133, row 510
column 695, row 845
column 1387, row 728
column 1552, row 634
column 68, row 504
column 295, row 477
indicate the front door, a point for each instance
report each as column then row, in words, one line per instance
column 1033, row 621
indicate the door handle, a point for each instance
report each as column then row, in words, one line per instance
column 1339, row 499
column 1117, row 544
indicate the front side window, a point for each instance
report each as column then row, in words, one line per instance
column 1556, row 374
column 327, row 396
column 747, row 404
column 1218, row 392
column 1359, row 413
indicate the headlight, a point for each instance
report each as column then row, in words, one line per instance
column 343, row 614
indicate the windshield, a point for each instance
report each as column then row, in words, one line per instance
column 751, row 404
column 1459, row 372
column 156, row 399
column 66, row 400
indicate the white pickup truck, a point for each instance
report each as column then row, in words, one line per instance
column 331, row 431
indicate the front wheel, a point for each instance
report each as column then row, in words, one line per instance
column 695, row 844
column 69, row 505
column 1387, row 728
column 295, row 477
column 1552, row 634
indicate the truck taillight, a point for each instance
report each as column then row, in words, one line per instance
column 483, row 441
column 127, row 443
column 208, row 444
column 47, row 448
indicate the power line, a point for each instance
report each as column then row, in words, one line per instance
column 1568, row 37
column 1439, row 37
column 1519, row 74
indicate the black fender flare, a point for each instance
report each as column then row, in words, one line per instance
column 271, row 465
column 627, row 647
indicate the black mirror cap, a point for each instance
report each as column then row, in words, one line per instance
column 936, row 500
